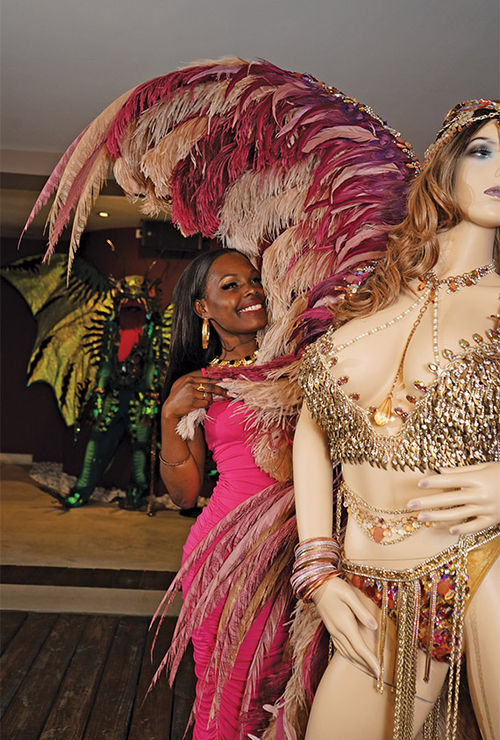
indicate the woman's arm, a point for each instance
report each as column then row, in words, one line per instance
column 183, row 481
column 182, row 462
column 337, row 601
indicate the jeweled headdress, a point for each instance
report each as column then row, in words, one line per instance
column 461, row 116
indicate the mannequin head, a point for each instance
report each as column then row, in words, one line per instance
column 454, row 166
column 458, row 167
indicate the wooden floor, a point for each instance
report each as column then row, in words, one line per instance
column 71, row 676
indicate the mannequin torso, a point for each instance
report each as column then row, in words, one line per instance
column 371, row 364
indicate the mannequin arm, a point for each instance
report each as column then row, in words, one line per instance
column 337, row 602
column 313, row 479
column 469, row 497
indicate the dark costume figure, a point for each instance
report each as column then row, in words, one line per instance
column 102, row 345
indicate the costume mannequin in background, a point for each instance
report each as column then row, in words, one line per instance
column 405, row 397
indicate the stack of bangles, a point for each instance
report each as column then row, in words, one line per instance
column 316, row 561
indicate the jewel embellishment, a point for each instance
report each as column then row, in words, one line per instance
column 384, row 526
column 421, row 386
column 401, row 412
column 382, row 415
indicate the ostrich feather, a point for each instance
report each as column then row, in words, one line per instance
column 97, row 176
column 85, row 148
column 51, row 185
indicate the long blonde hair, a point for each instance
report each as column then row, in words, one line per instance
column 413, row 246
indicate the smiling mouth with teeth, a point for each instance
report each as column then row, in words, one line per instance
column 254, row 307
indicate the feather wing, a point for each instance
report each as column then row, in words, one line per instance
column 274, row 163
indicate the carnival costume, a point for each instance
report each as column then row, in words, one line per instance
column 307, row 182
column 96, row 368
column 454, row 423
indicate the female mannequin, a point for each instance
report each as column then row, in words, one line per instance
column 381, row 357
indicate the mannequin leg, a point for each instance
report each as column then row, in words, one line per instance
column 482, row 648
column 347, row 705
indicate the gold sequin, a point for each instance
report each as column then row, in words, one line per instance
column 456, row 423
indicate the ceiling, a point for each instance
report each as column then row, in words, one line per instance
column 63, row 61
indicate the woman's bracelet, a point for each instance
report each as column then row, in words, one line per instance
column 173, row 464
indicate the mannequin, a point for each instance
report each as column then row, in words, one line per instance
column 391, row 361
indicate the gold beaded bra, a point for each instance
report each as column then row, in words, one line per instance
column 456, row 422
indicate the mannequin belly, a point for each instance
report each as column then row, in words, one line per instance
column 390, row 489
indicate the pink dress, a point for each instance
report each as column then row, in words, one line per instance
column 239, row 480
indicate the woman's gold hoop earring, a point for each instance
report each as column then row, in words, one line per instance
column 205, row 333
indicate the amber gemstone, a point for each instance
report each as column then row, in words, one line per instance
column 378, row 534
column 443, row 587
column 342, row 380
column 421, row 386
column 477, row 338
column 411, row 399
column 382, row 415
column 464, row 343
column 468, row 280
column 408, row 528
column 452, row 286
column 354, row 396
column 448, row 354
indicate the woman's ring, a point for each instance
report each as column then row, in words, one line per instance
column 201, row 387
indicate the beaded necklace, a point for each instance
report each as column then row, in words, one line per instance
column 430, row 285
column 242, row 362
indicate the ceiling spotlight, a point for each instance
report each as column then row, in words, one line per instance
column 103, row 214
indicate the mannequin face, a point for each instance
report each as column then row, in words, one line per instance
column 477, row 177
column 234, row 299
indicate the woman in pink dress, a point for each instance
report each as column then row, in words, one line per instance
column 219, row 307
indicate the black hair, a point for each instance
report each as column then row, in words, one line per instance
column 186, row 352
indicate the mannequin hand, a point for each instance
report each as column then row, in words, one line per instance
column 187, row 394
column 343, row 613
column 471, row 493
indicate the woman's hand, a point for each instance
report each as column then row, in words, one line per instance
column 192, row 391
column 471, row 500
column 343, row 613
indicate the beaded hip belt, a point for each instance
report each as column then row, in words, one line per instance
column 409, row 599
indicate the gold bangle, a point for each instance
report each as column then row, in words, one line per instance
column 174, row 464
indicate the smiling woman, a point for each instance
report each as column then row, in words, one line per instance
column 219, row 308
